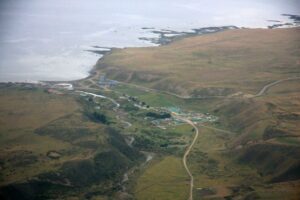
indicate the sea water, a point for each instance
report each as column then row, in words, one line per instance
column 51, row 39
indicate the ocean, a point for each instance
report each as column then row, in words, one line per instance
column 55, row 39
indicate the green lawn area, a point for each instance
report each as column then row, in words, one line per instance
column 164, row 179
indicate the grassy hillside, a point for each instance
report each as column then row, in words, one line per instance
column 165, row 179
column 67, row 145
column 51, row 149
column 257, row 156
column 210, row 65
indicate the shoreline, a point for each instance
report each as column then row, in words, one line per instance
column 94, row 70
column 162, row 42
column 91, row 81
column 163, row 39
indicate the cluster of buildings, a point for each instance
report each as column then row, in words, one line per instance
column 193, row 116
column 57, row 88
column 65, row 86
column 104, row 82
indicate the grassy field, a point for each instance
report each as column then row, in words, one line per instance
column 18, row 108
column 21, row 112
column 155, row 99
column 163, row 179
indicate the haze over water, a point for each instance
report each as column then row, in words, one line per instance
column 48, row 39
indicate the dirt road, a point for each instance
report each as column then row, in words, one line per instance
column 187, row 153
column 266, row 87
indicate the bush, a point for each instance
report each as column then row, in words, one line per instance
column 117, row 141
column 163, row 115
column 98, row 117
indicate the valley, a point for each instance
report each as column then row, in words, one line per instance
column 214, row 116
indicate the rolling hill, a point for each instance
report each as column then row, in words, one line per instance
column 217, row 64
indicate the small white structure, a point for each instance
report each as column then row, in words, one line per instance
column 66, row 86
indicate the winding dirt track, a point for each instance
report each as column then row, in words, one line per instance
column 184, row 159
column 260, row 93
column 187, row 153
column 266, row 87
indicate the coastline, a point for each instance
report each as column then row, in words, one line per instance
column 163, row 39
column 91, row 81
column 210, row 144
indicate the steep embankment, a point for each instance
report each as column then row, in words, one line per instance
column 58, row 146
column 267, row 131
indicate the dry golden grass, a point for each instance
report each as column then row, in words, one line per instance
column 29, row 110
column 242, row 59
column 226, row 173
column 21, row 113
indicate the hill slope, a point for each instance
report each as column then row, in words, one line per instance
column 210, row 65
